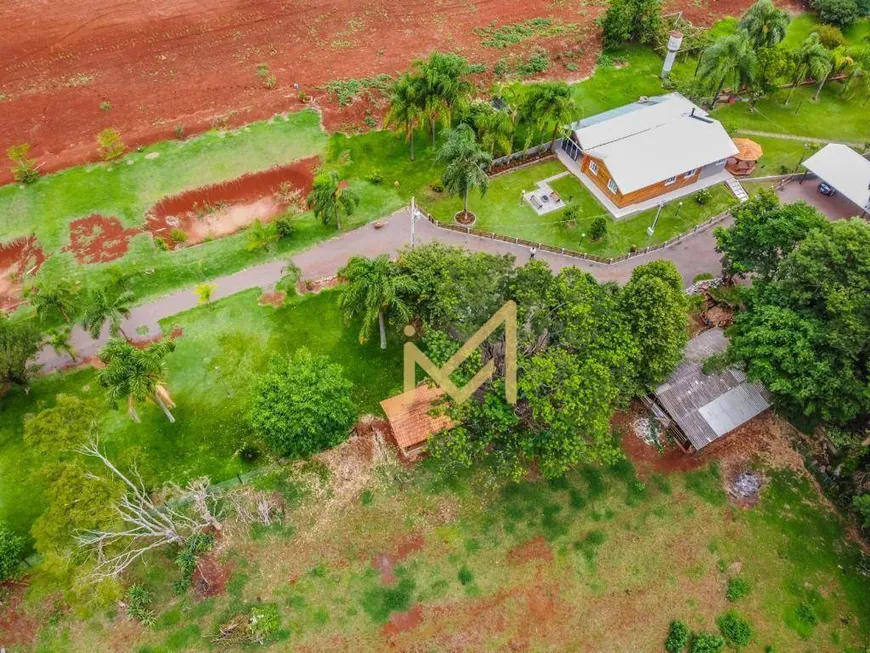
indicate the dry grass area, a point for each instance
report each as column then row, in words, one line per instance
column 373, row 555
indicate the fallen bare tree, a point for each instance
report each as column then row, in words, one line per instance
column 145, row 525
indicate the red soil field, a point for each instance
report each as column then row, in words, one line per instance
column 98, row 239
column 19, row 258
column 221, row 209
column 165, row 63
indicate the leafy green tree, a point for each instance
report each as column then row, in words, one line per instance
column 11, row 550
column 303, row 405
column 467, row 164
column 842, row 13
column 764, row 24
column 730, row 60
column 552, row 104
column 405, row 111
column 812, row 59
column 804, row 332
column 20, row 341
column 329, row 198
column 598, row 228
column 657, row 314
column 262, row 235
column 107, row 306
column 763, row 232
column 59, row 340
column 53, row 299
column 374, row 289
column 631, row 20
column 862, row 505
column 137, row 375
column 60, row 429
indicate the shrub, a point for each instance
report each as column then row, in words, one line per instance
column 572, row 67
column 598, row 229
column 139, row 601
column 735, row 629
column 178, row 235
column 737, row 588
column 179, row 131
column 678, row 637
column 186, row 559
column 11, row 548
column 264, row 622
column 160, row 244
column 24, row 169
column 537, row 62
column 862, row 505
column 284, row 226
column 105, row 105
column 303, row 405
column 831, row 37
column 465, row 576
column 376, row 177
column 437, row 187
column 249, row 452
column 111, row 145
column 703, row 196
column 842, row 13
column 706, row 643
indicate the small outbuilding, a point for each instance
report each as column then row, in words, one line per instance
column 844, row 170
column 411, row 418
column 699, row 408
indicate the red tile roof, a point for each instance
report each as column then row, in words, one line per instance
column 408, row 414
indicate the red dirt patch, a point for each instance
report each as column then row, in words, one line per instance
column 168, row 63
column 222, row 209
column 312, row 286
column 536, row 548
column 19, row 258
column 16, row 627
column 274, row 298
column 98, row 239
column 402, row 622
column 177, row 332
column 210, row 577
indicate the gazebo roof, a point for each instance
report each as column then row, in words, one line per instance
column 747, row 150
column 408, row 414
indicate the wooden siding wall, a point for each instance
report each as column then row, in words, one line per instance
column 621, row 200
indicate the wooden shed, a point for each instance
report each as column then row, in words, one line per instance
column 411, row 418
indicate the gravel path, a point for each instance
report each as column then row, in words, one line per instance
column 694, row 255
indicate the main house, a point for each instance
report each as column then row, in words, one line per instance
column 648, row 148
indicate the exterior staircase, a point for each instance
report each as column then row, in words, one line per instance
column 738, row 190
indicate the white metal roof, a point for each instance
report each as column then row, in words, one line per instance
column 844, row 169
column 660, row 141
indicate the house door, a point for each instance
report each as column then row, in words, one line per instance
column 572, row 149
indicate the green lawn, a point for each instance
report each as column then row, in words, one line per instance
column 500, row 211
column 211, row 374
column 596, row 560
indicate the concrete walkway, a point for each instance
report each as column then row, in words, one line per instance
column 694, row 255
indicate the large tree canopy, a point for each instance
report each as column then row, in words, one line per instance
column 805, row 332
column 19, row 343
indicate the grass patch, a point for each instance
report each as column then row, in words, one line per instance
column 380, row 602
column 707, row 484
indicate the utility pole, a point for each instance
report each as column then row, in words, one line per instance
column 651, row 229
column 413, row 219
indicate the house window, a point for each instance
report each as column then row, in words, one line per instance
column 611, row 186
column 670, row 180
column 691, row 172
column 593, row 167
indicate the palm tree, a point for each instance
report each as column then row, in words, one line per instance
column 53, row 298
column 467, row 164
column 329, row 198
column 441, row 87
column 494, row 128
column 812, row 59
column 730, row 60
column 840, row 62
column 59, row 340
column 103, row 307
column 374, row 289
column 136, row 375
column 764, row 24
column 551, row 102
column 405, row 111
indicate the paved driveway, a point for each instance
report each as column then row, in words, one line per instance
column 836, row 207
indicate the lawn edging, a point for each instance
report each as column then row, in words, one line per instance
column 571, row 252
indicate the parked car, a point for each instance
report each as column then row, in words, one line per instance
column 825, row 189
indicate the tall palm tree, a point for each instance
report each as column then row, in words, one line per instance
column 467, row 164
column 136, row 375
column 494, row 128
column 812, row 59
column 441, row 87
column 730, row 60
column 405, row 112
column 59, row 340
column 551, row 103
column 764, row 24
column 329, row 198
column 840, row 62
column 373, row 290
column 52, row 299
column 103, row 306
